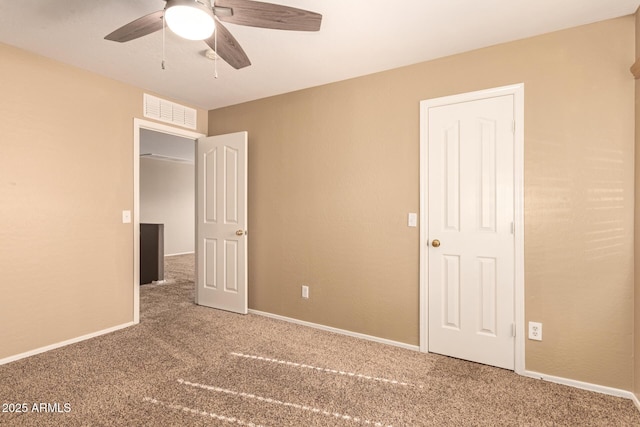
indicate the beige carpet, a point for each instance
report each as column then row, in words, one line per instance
column 190, row 365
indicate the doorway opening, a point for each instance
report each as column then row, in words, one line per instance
column 140, row 129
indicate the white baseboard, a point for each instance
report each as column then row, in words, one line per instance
column 582, row 385
column 337, row 331
column 180, row 253
column 63, row 343
column 634, row 397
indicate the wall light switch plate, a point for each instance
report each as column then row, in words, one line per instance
column 126, row 217
column 412, row 220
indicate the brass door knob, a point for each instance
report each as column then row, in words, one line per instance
column 435, row 243
column 240, row 233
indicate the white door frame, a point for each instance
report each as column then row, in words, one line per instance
column 517, row 91
column 138, row 125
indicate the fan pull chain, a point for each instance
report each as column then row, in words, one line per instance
column 215, row 54
column 164, row 26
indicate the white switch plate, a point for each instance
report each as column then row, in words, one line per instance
column 535, row 331
column 305, row 291
column 126, row 217
column 412, row 220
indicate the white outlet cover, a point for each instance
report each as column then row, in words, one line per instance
column 126, row 217
column 535, row 331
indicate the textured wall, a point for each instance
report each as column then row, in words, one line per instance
column 167, row 196
column 66, row 174
column 334, row 170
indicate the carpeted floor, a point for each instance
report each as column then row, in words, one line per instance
column 192, row 366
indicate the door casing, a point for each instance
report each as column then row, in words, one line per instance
column 517, row 90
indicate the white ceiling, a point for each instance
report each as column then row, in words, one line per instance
column 357, row 37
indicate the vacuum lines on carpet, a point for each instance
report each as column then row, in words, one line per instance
column 327, row 370
column 273, row 401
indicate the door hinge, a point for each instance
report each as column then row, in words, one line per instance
column 513, row 330
column 513, row 228
column 513, row 126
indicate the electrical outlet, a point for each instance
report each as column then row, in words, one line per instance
column 305, row 291
column 535, row 331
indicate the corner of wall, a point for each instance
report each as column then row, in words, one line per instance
column 636, row 311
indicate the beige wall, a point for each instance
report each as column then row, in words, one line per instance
column 334, row 170
column 167, row 196
column 66, row 173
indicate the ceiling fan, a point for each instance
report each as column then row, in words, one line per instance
column 202, row 19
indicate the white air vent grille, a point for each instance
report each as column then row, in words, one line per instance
column 169, row 112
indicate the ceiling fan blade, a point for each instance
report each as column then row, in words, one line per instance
column 269, row 15
column 228, row 47
column 140, row 27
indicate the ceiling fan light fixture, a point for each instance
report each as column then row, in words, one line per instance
column 190, row 19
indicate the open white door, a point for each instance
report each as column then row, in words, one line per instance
column 221, row 222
